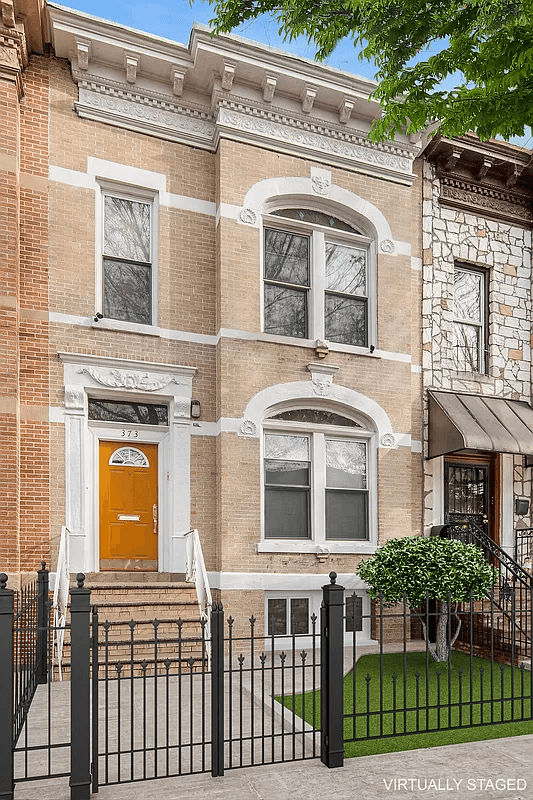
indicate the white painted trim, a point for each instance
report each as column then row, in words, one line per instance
column 133, row 177
column 108, row 361
column 131, row 192
column 315, row 546
column 507, row 504
column 281, row 581
column 86, row 375
column 71, row 177
column 303, row 390
column 98, row 168
column 223, row 333
column 185, row 203
column 130, row 327
column 273, row 190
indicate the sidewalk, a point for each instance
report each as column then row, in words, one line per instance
column 487, row 770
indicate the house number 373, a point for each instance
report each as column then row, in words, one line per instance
column 129, row 434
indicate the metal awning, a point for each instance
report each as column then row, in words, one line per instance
column 473, row 422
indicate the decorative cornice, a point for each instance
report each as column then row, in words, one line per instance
column 304, row 122
column 115, row 88
column 491, row 201
column 347, row 148
column 168, row 123
column 13, row 55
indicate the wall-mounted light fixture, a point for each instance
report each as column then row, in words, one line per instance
column 196, row 409
column 521, row 506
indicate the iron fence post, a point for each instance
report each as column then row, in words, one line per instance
column 7, row 605
column 332, row 674
column 217, row 690
column 43, row 624
column 80, row 728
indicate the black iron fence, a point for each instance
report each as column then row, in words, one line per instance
column 165, row 704
column 34, row 734
column 524, row 548
column 150, row 699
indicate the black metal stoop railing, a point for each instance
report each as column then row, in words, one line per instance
column 502, row 621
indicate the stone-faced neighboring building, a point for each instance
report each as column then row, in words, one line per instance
column 477, row 334
column 229, row 329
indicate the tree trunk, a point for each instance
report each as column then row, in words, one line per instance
column 440, row 651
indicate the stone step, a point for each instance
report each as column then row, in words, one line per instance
column 131, row 576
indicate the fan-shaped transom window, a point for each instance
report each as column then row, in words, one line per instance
column 316, row 278
column 315, row 218
column 129, row 457
column 316, row 416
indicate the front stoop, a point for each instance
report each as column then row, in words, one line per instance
column 166, row 623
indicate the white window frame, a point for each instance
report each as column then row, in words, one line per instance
column 318, row 542
column 139, row 195
column 481, row 326
column 284, row 641
column 316, row 292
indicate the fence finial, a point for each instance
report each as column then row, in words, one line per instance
column 80, row 577
column 43, row 564
column 333, row 578
column 3, row 580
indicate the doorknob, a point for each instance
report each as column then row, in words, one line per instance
column 154, row 516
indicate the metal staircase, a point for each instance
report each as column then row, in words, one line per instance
column 502, row 623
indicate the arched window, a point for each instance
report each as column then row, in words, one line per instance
column 316, row 277
column 318, row 476
column 129, row 457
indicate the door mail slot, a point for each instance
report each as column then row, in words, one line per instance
column 129, row 517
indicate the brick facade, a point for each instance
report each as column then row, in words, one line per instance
column 215, row 158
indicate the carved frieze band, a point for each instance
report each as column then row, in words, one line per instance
column 146, row 113
column 123, row 379
column 488, row 199
column 341, row 146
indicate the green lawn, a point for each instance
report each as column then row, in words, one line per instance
column 457, row 701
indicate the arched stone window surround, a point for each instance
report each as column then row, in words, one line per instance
column 272, row 193
column 374, row 422
column 300, row 394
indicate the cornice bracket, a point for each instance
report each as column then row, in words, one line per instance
column 83, row 53
column 269, row 87
column 345, row 110
column 484, row 167
column 228, row 75
column 515, row 173
column 177, row 78
column 131, row 64
column 308, row 98
column 451, row 158
column 8, row 13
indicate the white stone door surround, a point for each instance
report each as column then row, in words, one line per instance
column 125, row 380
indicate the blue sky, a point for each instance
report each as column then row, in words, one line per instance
column 174, row 21
column 175, row 18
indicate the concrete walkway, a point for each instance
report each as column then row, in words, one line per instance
column 500, row 769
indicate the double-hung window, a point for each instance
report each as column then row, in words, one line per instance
column 316, row 278
column 316, row 478
column 469, row 319
column 127, row 260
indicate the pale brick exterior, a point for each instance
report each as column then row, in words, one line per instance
column 214, row 154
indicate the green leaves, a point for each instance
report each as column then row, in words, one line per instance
column 416, row 565
column 467, row 63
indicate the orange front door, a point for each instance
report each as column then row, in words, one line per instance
column 128, row 506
